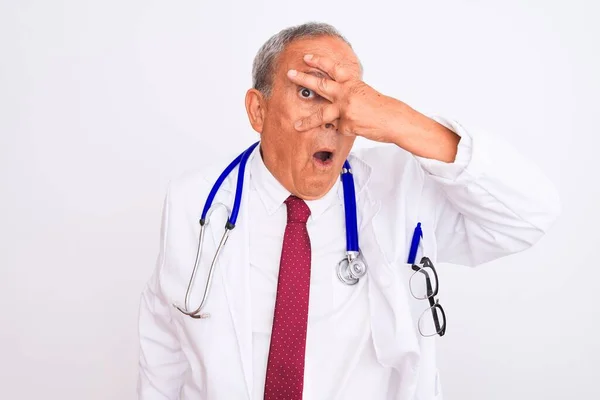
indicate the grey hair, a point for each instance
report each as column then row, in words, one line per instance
column 263, row 67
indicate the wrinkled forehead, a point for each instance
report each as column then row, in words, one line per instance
column 323, row 46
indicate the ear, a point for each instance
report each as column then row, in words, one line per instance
column 256, row 108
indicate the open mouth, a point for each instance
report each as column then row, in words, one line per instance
column 323, row 157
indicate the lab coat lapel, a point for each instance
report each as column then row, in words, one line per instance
column 392, row 328
column 234, row 261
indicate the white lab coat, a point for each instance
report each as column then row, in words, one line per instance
column 498, row 204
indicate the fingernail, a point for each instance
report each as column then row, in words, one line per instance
column 298, row 124
column 308, row 57
column 292, row 72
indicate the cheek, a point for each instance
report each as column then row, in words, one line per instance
column 298, row 107
column 291, row 110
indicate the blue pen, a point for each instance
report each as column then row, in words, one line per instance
column 414, row 245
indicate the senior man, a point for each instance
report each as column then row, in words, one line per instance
column 463, row 196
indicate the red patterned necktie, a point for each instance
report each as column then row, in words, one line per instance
column 285, row 368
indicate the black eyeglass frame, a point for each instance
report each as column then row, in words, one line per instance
column 433, row 303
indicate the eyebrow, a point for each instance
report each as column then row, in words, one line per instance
column 318, row 74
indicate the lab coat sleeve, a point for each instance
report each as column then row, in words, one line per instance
column 491, row 201
column 161, row 362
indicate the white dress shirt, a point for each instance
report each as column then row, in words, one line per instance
column 338, row 344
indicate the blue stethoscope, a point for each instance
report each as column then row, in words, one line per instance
column 349, row 270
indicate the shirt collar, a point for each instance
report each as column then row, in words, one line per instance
column 273, row 194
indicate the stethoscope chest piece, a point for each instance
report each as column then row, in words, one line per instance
column 350, row 270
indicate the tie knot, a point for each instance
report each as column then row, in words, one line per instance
column 297, row 210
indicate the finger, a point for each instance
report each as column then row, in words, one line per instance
column 322, row 85
column 324, row 115
column 338, row 71
column 345, row 129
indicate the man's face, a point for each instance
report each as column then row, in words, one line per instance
column 305, row 163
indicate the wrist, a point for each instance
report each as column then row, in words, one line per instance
column 425, row 137
column 407, row 125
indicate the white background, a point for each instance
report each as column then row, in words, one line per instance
column 102, row 102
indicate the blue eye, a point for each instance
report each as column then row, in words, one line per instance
column 306, row 93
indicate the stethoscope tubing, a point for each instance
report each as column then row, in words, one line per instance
column 241, row 160
column 350, row 209
column 350, row 213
